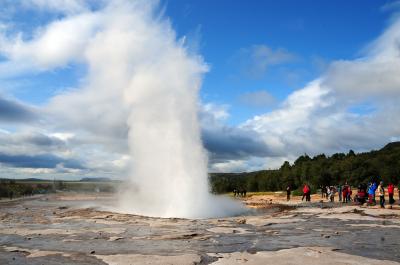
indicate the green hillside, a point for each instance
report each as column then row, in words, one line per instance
column 383, row 164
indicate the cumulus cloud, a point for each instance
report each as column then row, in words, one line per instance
column 62, row 6
column 59, row 43
column 227, row 143
column 39, row 161
column 14, row 111
column 318, row 119
column 86, row 127
column 30, row 142
column 375, row 75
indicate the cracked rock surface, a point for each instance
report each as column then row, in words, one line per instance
column 66, row 229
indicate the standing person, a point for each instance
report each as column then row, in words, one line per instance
column 398, row 189
column 332, row 193
column 328, row 192
column 349, row 193
column 390, row 189
column 339, row 189
column 323, row 191
column 371, row 194
column 344, row 193
column 381, row 193
column 308, row 196
column 374, row 187
column 288, row 190
column 360, row 195
column 305, row 190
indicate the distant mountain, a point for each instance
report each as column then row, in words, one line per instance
column 32, row 179
column 95, row 179
column 27, row 179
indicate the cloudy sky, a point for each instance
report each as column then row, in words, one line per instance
column 280, row 80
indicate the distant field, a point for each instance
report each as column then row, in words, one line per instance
column 17, row 188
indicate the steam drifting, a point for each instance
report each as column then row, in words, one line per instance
column 141, row 87
column 137, row 56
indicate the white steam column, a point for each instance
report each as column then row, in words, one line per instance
column 160, row 82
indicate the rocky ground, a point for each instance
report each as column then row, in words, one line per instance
column 63, row 229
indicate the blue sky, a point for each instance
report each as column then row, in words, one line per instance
column 219, row 30
column 315, row 32
column 284, row 78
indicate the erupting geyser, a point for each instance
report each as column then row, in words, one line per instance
column 159, row 81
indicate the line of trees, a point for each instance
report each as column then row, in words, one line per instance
column 11, row 188
column 383, row 164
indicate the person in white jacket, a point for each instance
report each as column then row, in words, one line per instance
column 381, row 194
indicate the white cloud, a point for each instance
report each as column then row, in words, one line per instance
column 212, row 113
column 63, row 6
column 56, row 45
column 90, row 122
column 229, row 166
column 317, row 119
column 375, row 75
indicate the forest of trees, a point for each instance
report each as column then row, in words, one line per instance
column 316, row 171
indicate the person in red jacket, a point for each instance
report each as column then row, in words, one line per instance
column 344, row 192
column 390, row 189
column 306, row 192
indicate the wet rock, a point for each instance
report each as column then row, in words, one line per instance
column 115, row 238
column 62, row 207
column 241, row 221
column 252, row 251
column 19, row 251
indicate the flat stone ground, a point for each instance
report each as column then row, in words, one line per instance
column 64, row 229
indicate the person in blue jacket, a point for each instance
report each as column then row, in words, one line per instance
column 371, row 193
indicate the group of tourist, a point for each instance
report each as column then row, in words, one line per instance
column 373, row 189
column 344, row 193
column 365, row 193
column 240, row 192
